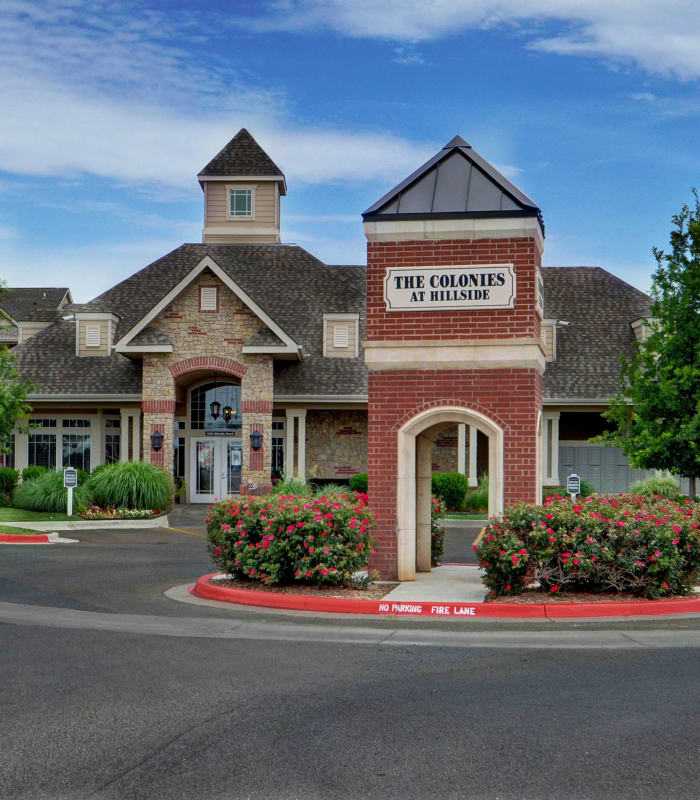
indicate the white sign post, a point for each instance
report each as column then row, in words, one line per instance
column 573, row 486
column 70, row 481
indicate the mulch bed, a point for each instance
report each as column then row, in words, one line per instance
column 375, row 591
column 538, row 596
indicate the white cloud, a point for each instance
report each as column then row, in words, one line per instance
column 659, row 37
column 121, row 92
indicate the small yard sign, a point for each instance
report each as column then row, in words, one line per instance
column 573, row 485
column 70, row 481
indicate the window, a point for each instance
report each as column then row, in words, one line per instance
column 92, row 335
column 42, row 423
column 112, row 448
column 179, row 457
column 41, row 450
column 540, row 294
column 227, row 396
column 241, row 203
column 76, row 451
column 113, row 423
column 208, row 298
column 277, row 452
column 76, row 423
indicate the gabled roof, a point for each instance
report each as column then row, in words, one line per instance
column 33, row 304
column 242, row 157
column 456, row 182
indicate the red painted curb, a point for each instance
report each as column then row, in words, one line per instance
column 249, row 597
column 18, row 538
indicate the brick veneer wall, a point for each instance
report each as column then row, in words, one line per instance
column 520, row 321
column 510, row 397
column 213, row 336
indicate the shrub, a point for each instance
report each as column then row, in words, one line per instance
column 131, row 484
column 451, row 486
column 31, row 473
column 437, row 532
column 47, row 493
column 625, row 543
column 478, row 499
column 358, row 482
column 8, row 481
column 292, row 486
column 663, row 487
column 276, row 538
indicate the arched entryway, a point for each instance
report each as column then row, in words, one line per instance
column 413, row 486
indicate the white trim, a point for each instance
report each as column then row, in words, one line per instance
column 462, row 449
column 207, row 262
column 577, row 401
column 249, row 187
column 96, row 315
column 321, row 398
column 208, row 298
column 261, row 348
column 473, row 452
column 406, row 494
column 242, row 230
column 143, row 348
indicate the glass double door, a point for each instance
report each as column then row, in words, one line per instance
column 216, row 468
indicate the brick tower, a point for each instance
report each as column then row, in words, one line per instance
column 454, row 307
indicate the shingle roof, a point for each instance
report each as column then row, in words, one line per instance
column 149, row 336
column 241, row 156
column 264, row 338
column 8, row 333
column 49, row 359
column 33, row 304
column 599, row 309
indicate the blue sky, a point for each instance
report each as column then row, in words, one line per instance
column 110, row 109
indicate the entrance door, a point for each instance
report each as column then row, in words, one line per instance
column 216, row 469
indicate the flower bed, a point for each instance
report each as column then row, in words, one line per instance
column 619, row 543
column 286, row 539
column 118, row 513
column 437, row 532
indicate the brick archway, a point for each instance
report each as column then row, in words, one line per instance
column 413, row 492
column 214, row 363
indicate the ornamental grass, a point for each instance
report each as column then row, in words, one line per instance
column 131, row 484
column 47, row 493
column 286, row 538
column 627, row 543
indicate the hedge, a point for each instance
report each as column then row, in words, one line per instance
column 131, row 484
column 624, row 543
column 8, row 481
column 358, row 482
column 47, row 493
column 287, row 539
column 452, row 487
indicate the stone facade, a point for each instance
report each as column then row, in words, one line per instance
column 336, row 443
column 202, row 342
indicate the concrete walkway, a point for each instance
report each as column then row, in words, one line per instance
column 449, row 583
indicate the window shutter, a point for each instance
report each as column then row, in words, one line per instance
column 92, row 335
column 207, row 298
column 340, row 336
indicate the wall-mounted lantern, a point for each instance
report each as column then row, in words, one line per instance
column 256, row 439
column 157, row 440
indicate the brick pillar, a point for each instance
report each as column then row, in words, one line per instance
column 257, row 464
column 159, row 415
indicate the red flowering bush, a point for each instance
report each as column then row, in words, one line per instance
column 624, row 543
column 274, row 539
column 437, row 532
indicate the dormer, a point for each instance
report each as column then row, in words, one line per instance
column 242, row 187
column 94, row 333
column 643, row 328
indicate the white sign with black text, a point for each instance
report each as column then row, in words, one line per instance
column 450, row 288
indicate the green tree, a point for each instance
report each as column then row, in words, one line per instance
column 13, row 390
column 657, row 410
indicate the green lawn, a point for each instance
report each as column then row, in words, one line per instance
column 13, row 529
column 20, row 515
column 466, row 515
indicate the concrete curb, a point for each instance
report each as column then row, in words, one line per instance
column 40, row 538
column 439, row 609
column 93, row 525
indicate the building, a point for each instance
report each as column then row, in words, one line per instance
column 245, row 356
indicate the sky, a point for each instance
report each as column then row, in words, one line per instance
column 110, row 109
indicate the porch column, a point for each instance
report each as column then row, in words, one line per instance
column 136, row 434
column 21, row 450
column 158, row 416
column 97, row 445
column 289, row 445
column 461, row 449
column 550, row 446
column 124, row 435
column 424, row 473
column 473, row 477
column 301, row 454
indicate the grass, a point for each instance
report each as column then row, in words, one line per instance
column 467, row 515
column 8, row 514
column 22, row 531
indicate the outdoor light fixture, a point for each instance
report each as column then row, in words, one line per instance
column 228, row 413
column 256, row 440
column 157, row 440
column 215, row 405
